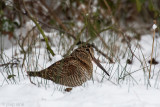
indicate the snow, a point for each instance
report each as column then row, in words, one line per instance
column 94, row 93
column 154, row 26
column 102, row 95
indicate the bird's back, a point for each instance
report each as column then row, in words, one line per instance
column 70, row 71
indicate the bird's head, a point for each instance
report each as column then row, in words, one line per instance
column 86, row 54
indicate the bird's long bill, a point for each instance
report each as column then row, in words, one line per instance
column 99, row 65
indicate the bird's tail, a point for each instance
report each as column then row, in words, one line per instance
column 34, row 74
column 41, row 74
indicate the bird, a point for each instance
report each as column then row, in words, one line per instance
column 73, row 70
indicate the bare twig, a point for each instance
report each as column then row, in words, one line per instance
column 103, row 54
column 76, row 41
column 47, row 25
column 99, row 51
column 40, row 29
column 128, row 43
column 52, row 13
column 6, row 64
column 152, row 50
column 129, row 73
column 110, row 11
column 58, row 29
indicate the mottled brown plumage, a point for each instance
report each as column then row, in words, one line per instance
column 73, row 70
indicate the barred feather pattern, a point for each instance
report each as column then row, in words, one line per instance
column 71, row 71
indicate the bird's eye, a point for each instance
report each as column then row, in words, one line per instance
column 87, row 49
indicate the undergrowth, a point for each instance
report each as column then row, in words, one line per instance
column 116, row 45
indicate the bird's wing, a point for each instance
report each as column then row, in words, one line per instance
column 65, row 67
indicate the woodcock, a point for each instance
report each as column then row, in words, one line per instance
column 73, row 70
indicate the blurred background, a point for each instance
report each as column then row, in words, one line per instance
column 70, row 16
column 111, row 25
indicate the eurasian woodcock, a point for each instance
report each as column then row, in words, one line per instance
column 73, row 70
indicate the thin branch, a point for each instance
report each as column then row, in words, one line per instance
column 128, row 43
column 107, row 5
column 103, row 54
column 152, row 51
column 76, row 41
column 68, row 33
column 109, row 11
column 56, row 28
column 6, row 64
column 52, row 13
column 40, row 29
column 47, row 25
column 99, row 51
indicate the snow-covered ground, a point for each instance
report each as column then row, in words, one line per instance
column 131, row 92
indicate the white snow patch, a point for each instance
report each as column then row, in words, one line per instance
column 98, row 92
column 154, row 26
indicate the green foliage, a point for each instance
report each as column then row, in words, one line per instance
column 6, row 24
column 153, row 9
column 52, row 22
column 90, row 27
column 10, row 76
column 139, row 5
column 93, row 25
